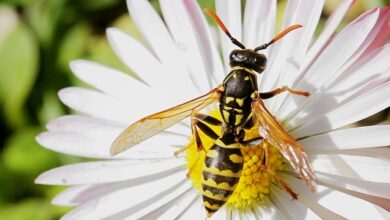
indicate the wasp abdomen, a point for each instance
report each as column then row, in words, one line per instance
column 221, row 173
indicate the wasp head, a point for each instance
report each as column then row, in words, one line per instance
column 249, row 59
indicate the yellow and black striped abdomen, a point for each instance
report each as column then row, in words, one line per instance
column 221, row 172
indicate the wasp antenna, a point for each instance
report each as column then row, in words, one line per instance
column 278, row 37
column 223, row 27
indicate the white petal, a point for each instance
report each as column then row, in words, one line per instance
column 269, row 213
column 294, row 209
column 372, row 71
column 235, row 214
column 331, row 24
column 149, row 211
column 310, row 199
column 295, row 44
column 108, row 171
column 97, row 104
column 346, row 139
column 376, row 152
column 338, row 52
column 359, row 167
column 136, row 57
column 372, row 66
column 157, row 35
column 74, row 143
column 177, row 135
column 222, row 214
column 259, row 22
column 329, row 64
column 86, row 144
column 181, row 27
column 244, row 214
column 179, row 206
column 373, row 40
column 123, row 203
column 363, row 186
column 381, row 33
column 351, row 111
column 107, row 107
column 108, row 80
column 77, row 195
column 194, row 210
column 155, row 32
column 379, row 30
column 154, row 73
column 208, row 48
column 166, row 205
column 230, row 14
column 349, row 206
column 84, row 124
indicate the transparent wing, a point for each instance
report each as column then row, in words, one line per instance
column 154, row 124
column 275, row 134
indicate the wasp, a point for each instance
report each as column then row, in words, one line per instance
column 241, row 107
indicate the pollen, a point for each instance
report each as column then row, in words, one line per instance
column 261, row 165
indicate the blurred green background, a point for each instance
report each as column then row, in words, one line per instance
column 38, row 38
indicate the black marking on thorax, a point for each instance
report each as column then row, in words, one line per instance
column 235, row 102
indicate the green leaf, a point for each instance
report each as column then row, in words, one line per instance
column 98, row 4
column 18, row 69
column 34, row 209
column 74, row 44
column 51, row 107
column 43, row 16
column 24, row 156
column 101, row 51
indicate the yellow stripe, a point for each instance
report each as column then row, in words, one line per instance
column 226, row 115
column 230, row 108
column 227, row 108
column 227, row 173
column 238, row 110
column 223, row 185
column 238, row 119
column 219, row 197
column 236, row 158
column 240, row 102
column 243, row 68
column 229, row 146
column 212, row 153
column 229, row 99
column 213, row 207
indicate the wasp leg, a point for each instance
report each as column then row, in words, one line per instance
column 264, row 156
column 286, row 188
column 249, row 124
column 267, row 95
column 197, row 122
column 251, row 142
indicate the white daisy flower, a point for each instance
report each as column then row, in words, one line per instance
column 347, row 74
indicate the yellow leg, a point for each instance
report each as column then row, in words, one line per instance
column 286, row 188
column 267, row 95
column 181, row 150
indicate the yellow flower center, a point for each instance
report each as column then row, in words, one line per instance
column 256, row 178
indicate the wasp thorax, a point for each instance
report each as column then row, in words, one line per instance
column 249, row 59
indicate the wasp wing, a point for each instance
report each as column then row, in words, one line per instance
column 154, row 124
column 275, row 134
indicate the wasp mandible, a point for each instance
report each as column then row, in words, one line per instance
column 240, row 106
